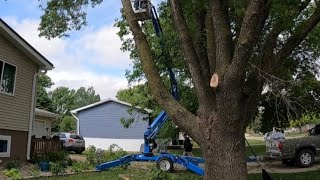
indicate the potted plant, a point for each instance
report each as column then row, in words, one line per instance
column 43, row 161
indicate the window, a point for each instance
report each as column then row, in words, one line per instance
column 5, row 145
column 62, row 135
column 7, row 77
column 74, row 136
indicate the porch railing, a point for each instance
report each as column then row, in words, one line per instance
column 43, row 146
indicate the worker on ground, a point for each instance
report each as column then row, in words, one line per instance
column 187, row 146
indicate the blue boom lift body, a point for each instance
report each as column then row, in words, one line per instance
column 164, row 160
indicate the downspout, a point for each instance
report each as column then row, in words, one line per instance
column 78, row 122
column 32, row 110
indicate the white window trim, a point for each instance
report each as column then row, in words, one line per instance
column 15, row 78
column 8, row 138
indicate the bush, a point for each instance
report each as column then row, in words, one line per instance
column 91, row 155
column 14, row 164
column 113, row 152
column 55, row 157
column 80, row 167
column 12, row 173
column 57, row 168
column 95, row 157
column 58, row 156
column 41, row 158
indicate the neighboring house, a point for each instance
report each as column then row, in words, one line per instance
column 20, row 64
column 100, row 125
column 42, row 123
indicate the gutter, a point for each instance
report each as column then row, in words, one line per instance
column 78, row 122
column 32, row 109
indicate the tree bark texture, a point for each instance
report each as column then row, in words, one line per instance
column 224, row 112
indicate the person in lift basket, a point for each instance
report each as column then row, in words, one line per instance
column 187, row 145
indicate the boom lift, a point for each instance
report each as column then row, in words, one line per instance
column 144, row 10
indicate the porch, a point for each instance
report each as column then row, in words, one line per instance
column 43, row 146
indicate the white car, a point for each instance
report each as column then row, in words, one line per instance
column 274, row 144
column 72, row 142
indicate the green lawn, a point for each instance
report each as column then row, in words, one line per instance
column 253, row 142
column 296, row 134
column 292, row 176
column 132, row 174
column 137, row 174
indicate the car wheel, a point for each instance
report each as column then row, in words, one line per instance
column 305, row 158
column 165, row 164
column 288, row 162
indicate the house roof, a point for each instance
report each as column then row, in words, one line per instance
column 106, row 101
column 24, row 46
column 44, row 113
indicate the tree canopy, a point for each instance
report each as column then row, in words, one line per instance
column 62, row 100
column 254, row 48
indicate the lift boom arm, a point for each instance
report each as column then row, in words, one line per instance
column 153, row 130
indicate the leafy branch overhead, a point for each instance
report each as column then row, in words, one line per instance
column 62, row 16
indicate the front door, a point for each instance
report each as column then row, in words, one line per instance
column 39, row 128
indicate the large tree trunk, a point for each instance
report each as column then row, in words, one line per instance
column 225, row 156
column 224, row 143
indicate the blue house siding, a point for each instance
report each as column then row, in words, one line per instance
column 103, row 121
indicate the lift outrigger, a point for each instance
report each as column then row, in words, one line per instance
column 144, row 10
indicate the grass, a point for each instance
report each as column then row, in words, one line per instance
column 291, row 176
column 296, row 134
column 132, row 174
column 253, row 142
column 137, row 174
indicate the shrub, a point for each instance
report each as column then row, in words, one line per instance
column 58, row 156
column 113, row 152
column 80, row 167
column 41, row 158
column 56, row 168
column 14, row 164
column 12, row 173
column 91, row 155
column 55, row 157
column 99, row 156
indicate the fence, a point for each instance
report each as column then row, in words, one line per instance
column 42, row 146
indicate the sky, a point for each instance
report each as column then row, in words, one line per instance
column 89, row 57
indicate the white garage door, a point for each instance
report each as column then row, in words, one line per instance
column 39, row 128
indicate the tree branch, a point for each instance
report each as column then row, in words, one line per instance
column 223, row 35
column 211, row 46
column 181, row 116
column 200, row 42
column 298, row 36
column 270, row 44
column 202, row 88
column 253, row 89
column 251, row 29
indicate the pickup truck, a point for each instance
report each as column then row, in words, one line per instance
column 296, row 151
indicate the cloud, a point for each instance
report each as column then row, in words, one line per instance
column 105, row 85
column 74, row 58
column 104, row 47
